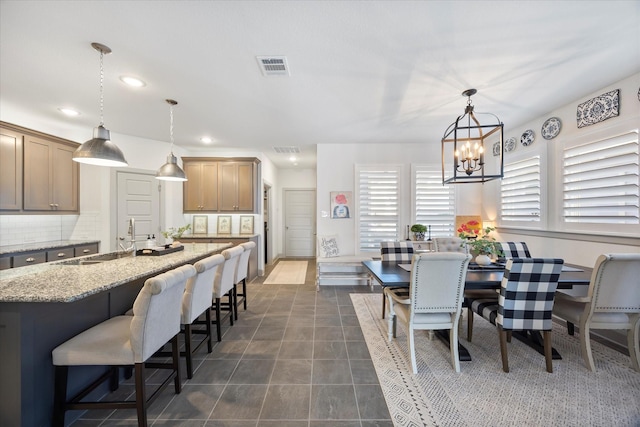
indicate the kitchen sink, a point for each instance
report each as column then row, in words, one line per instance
column 97, row 259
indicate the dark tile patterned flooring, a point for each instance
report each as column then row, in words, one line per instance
column 295, row 358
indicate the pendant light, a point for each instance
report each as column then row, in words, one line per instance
column 100, row 150
column 466, row 140
column 170, row 171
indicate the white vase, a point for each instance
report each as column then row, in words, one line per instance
column 483, row 259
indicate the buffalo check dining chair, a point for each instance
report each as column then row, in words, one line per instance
column 525, row 303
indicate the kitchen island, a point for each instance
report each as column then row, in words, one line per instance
column 44, row 305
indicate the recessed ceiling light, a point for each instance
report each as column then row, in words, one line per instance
column 292, row 158
column 132, row 81
column 69, row 111
column 206, row 140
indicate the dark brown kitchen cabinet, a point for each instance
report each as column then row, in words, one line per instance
column 10, row 169
column 37, row 173
column 221, row 184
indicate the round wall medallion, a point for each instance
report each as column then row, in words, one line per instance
column 551, row 128
column 527, row 137
column 510, row 144
column 496, row 148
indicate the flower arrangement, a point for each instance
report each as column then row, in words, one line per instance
column 478, row 238
column 175, row 233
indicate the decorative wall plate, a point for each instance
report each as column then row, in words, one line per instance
column 496, row 148
column 527, row 137
column 599, row 109
column 510, row 144
column 551, row 128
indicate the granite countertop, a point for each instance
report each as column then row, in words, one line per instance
column 43, row 246
column 62, row 282
column 219, row 236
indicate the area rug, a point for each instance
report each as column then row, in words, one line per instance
column 288, row 273
column 483, row 395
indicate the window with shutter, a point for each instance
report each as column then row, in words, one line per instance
column 378, row 205
column 520, row 191
column 434, row 202
column 601, row 181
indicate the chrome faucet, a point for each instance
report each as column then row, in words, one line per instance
column 132, row 238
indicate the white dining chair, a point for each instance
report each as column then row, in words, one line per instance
column 611, row 301
column 434, row 301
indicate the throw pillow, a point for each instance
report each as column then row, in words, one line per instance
column 329, row 247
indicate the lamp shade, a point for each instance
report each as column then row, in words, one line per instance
column 170, row 171
column 100, row 151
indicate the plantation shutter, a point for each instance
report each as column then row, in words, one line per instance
column 379, row 216
column 435, row 203
column 520, row 191
column 601, row 181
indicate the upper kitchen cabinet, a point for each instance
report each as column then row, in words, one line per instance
column 48, row 177
column 236, row 186
column 10, row 169
column 231, row 187
column 199, row 191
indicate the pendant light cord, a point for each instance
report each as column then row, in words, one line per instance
column 171, row 125
column 101, row 88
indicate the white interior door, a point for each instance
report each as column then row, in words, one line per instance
column 300, row 223
column 138, row 198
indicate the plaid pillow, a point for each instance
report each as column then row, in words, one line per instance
column 396, row 251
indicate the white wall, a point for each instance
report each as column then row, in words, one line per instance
column 583, row 252
column 336, row 165
column 336, row 172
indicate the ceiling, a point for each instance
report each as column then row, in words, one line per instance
column 360, row 71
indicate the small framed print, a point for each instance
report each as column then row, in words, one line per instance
column 224, row 224
column 200, row 224
column 246, row 224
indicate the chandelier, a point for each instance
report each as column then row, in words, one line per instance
column 465, row 141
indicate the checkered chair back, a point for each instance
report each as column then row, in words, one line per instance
column 396, row 251
column 526, row 293
column 515, row 250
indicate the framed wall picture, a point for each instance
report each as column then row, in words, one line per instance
column 246, row 224
column 224, row 224
column 340, row 204
column 200, row 224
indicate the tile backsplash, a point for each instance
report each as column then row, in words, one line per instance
column 19, row 229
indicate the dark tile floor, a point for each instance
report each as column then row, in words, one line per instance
column 295, row 358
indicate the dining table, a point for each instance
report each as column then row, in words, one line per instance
column 398, row 275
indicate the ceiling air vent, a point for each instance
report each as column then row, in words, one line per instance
column 287, row 150
column 273, row 65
